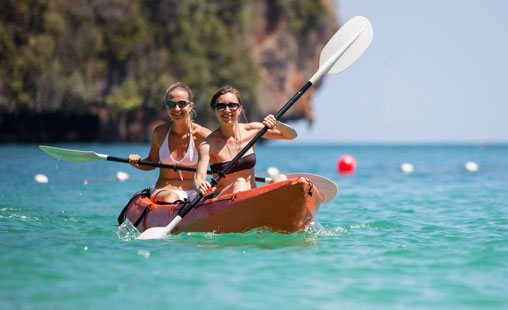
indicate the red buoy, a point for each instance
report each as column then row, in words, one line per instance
column 346, row 164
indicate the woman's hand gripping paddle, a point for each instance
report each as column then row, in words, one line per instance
column 343, row 49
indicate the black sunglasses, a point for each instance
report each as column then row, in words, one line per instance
column 233, row 106
column 172, row 104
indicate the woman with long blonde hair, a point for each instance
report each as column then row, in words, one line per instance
column 174, row 143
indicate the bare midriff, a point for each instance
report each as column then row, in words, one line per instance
column 225, row 184
column 170, row 179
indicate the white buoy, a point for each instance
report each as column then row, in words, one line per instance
column 144, row 253
column 407, row 168
column 272, row 171
column 41, row 178
column 471, row 166
column 122, row 176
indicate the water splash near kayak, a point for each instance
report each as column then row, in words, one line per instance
column 326, row 230
column 260, row 238
column 127, row 231
column 314, row 227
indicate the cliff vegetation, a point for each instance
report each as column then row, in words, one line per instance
column 95, row 70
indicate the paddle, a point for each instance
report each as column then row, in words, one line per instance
column 325, row 186
column 78, row 156
column 344, row 48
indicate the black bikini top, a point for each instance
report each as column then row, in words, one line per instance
column 246, row 162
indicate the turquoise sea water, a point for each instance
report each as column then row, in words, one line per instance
column 436, row 238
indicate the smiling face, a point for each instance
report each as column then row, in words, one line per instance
column 179, row 111
column 229, row 110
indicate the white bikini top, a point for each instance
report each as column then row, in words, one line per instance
column 190, row 159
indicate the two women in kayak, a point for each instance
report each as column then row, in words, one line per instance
column 178, row 143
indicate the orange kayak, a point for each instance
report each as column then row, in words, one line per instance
column 280, row 207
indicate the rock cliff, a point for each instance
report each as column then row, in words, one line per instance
column 97, row 70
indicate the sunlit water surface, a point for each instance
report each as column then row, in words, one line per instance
column 437, row 237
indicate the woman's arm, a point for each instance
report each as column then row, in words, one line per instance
column 153, row 154
column 276, row 129
column 200, row 133
column 200, row 183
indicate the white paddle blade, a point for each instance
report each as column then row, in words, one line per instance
column 72, row 155
column 159, row 232
column 347, row 45
column 326, row 187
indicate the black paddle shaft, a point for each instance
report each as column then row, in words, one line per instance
column 166, row 166
column 183, row 211
column 151, row 164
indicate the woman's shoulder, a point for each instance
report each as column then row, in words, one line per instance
column 161, row 129
column 213, row 136
column 215, row 139
column 200, row 131
column 213, row 142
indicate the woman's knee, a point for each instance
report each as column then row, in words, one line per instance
column 240, row 185
column 165, row 196
column 279, row 178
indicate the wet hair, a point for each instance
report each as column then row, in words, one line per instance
column 184, row 87
column 224, row 90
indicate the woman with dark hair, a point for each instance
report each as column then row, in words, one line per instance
column 175, row 144
column 224, row 143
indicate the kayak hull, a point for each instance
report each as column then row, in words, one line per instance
column 287, row 206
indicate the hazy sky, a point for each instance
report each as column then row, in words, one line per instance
column 437, row 71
